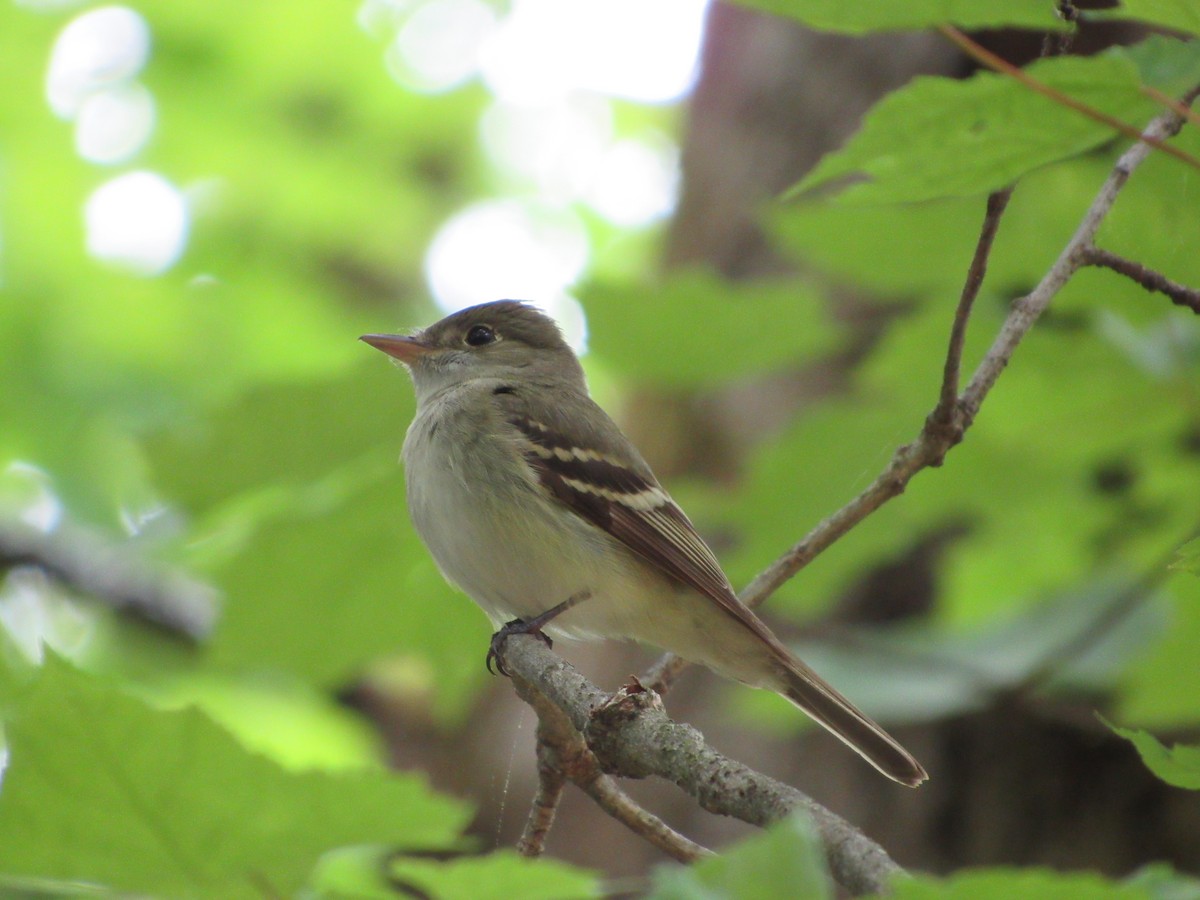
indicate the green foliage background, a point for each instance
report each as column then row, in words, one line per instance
column 231, row 391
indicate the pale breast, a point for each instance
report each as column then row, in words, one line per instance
column 490, row 527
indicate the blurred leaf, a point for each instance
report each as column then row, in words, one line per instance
column 1167, row 63
column 293, row 435
column 1159, row 690
column 927, row 673
column 302, row 522
column 1164, row 883
column 1187, row 558
column 366, row 873
column 287, row 720
column 785, row 860
column 1048, row 487
column 497, row 876
column 696, row 328
column 336, row 585
column 862, row 18
column 1178, row 766
column 940, row 137
column 1005, row 884
column 1180, row 15
column 101, row 787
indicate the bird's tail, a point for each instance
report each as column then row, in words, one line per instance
column 803, row 687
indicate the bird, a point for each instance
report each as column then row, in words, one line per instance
column 532, row 502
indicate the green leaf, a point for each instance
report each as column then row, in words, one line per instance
column 366, row 873
column 1005, row 884
column 1180, row 15
column 922, row 250
column 1179, row 765
column 1159, row 689
column 931, row 673
column 786, row 860
column 1166, row 63
column 1164, row 883
column 100, row 787
column 1187, row 557
column 861, row 18
column 302, row 524
column 1156, row 882
column 697, row 328
column 940, row 137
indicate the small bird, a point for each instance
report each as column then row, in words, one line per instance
column 534, row 504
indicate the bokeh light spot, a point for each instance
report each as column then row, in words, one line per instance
column 138, row 221
column 97, row 49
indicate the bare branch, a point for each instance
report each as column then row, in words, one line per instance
column 545, row 802
column 1180, row 294
column 997, row 202
column 938, row 437
column 111, row 575
column 1027, row 310
column 614, row 801
column 631, row 736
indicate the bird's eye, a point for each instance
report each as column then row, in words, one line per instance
column 480, row 335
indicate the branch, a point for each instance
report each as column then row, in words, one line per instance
column 630, row 735
column 551, row 782
column 109, row 574
column 1027, row 310
column 997, row 202
column 564, row 754
column 1181, row 295
column 945, row 426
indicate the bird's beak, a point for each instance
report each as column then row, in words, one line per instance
column 399, row 346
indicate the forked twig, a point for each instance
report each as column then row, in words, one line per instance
column 945, row 425
column 563, row 755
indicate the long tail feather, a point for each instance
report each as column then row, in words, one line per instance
column 808, row 691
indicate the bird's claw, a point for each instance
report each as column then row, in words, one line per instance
column 507, row 630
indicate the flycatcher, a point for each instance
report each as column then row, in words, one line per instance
column 533, row 503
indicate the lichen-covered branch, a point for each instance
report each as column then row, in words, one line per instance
column 630, row 735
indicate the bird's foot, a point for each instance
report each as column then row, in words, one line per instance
column 532, row 626
column 495, row 652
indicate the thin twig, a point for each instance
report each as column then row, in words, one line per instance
column 545, row 802
column 1155, row 282
column 1027, row 310
column 998, row 64
column 997, row 202
column 614, row 801
column 108, row 573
